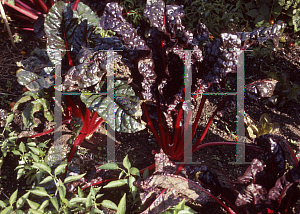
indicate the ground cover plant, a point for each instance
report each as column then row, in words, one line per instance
column 150, row 40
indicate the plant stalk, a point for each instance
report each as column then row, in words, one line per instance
column 7, row 25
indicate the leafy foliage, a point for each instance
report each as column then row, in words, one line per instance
column 39, row 102
column 264, row 126
column 264, row 11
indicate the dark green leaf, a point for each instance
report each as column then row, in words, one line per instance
column 264, row 10
column 126, row 107
column 34, row 82
column 253, row 13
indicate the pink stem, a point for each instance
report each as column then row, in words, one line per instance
column 20, row 10
column 42, row 5
column 75, row 5
column 26, row 7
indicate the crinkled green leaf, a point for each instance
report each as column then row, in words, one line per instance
column 87, row 73
column 81, row 25
column 126, row 107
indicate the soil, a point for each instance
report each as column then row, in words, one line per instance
column 139, row 146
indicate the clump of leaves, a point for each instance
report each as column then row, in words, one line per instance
column 269, row 189
column 264, row 126
column 285, row 90
column 126, row 177
column 216, row 15
column 265, row 11
column 39, row 101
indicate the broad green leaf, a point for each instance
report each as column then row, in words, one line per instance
column 73, row 178
column 21, row 100
column 16, row 152
column 54, row 203
column 126, row 163
column 22, row 147
column 42, row 166
column 47, row 179
column 116, row 183
column 46, row 106
column 122, row 205
column 31, row 144
column 34, row 150
column 109, row 204
column 60, row 169
column 35, row 211
column 20, row 173
column 62, row 22
column 21, row 200
column 39, row 192
column 61, row 192
column 134, row 171
column 9, row 119
column 32, row 204
column 125, row 107
column 77, row 200
column 2, row 204
column 34, row 82
column 7, row 210
column 88, row 202
column 13, row 197
column 110, row 165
